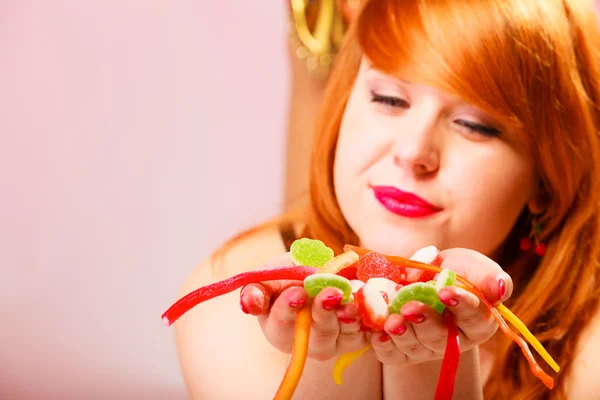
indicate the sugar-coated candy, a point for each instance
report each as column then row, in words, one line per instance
column 310, row 253
column 375, row 265
column 445, row 278
column 340, row 262
column 372, row 302
column 419, row 291
column 313, row 284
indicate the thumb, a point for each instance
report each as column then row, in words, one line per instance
column 487, row 275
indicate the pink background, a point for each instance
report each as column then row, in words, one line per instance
column 136, row 137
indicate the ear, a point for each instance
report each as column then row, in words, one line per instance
column 538, row 203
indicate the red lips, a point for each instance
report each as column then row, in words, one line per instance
column 402, row 203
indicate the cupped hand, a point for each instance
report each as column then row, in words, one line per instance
column 418, row 333
column 336, row 328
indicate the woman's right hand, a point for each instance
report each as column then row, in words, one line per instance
column 336, row 328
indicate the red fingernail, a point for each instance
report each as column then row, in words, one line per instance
column 242, row 306
column 347, row 320
column 364, row 328
column 384, row 337
column 449, row 301
column 415, row 318
column 399, row 330
column 297, row 303
column 332, row 302
column 502, row 288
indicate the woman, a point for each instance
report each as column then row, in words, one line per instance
column 464, row 125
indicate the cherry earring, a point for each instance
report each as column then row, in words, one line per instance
column 534, row 239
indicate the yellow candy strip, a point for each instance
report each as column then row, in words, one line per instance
column 517, row 323
column 340, row 262
column 344, row 362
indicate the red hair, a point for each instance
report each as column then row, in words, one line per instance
column 533, row 65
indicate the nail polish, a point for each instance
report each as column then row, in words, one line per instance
column 501, row 288
column 242, row 306
column 384, row 337
column 399, row 330
column 347, row 320
column 332, row 302
column 415, row 318
column 449, row 301
column 297, row 303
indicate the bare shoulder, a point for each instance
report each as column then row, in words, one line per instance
column 216, row 341
column 583, row 382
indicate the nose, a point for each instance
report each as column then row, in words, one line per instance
column 417, row 147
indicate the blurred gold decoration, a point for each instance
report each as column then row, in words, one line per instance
column 317, row 29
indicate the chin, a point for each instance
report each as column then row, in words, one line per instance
column 402, row 244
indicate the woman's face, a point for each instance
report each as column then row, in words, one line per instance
column 416, row 167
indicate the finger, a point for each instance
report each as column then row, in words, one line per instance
column 477, row 268
column 470, row 314
column 279, row 324
column 427, row 324
column 255, row 298
column 397, row 343
column 347, row 315
column 495, row 289
column 350, row 337
column 326, row 327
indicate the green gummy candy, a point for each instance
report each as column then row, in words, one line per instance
column 446, row 278
column 420, row 291
column 313, row 284
column 310, row 253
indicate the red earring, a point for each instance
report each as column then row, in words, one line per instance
column 533, row 239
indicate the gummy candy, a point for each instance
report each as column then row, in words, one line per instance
column 420, row 291
column 292, row 376
column 348, row 272
column 228, row 285
column 344, row 361
column 310, row 253
column 371, row 298
column 338, row 263
column 445, row 386
column 375, row 265
column 313, row 284
column 372, row 302
column 427, row 255
column 445, row 278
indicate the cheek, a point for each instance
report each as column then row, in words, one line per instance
column 490, row 200
column 349, row 143
column 363, row 138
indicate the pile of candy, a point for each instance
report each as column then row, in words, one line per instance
column 379, row 285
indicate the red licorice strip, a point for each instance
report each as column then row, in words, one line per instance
column 533, row 365
column 292, row 376
column 445, row 385
column 225, row 286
